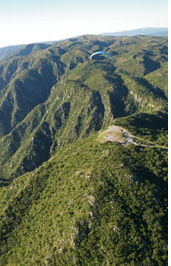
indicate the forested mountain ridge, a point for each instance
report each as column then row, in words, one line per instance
column 5, row 51
column 110, row 90
column 93, row 198
column 37, row 60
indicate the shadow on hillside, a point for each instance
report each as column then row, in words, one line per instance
column 5, row 182
column 118, row 96
column 145, row 124
column 120, row 92
column 149, row 121
column 164, row 50
column 98, row 115
column 149, row 64
column 149, row 86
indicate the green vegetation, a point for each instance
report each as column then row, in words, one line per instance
column 91, row 204
column 150, row 127
column 67, row 197
column 5, row 51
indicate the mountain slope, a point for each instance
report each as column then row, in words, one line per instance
column 52, row 60
column 88, row 98
column 26, row 83
column 5, row 51
column 88, row 95
column 66, row 198
column 90, row 204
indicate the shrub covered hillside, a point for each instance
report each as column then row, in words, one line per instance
column 66, row 196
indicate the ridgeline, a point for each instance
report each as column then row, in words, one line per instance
column 66, row 196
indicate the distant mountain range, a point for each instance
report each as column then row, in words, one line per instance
column 143, row 31
column 5, row 51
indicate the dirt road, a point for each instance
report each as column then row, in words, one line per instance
column 124, row 137
column 129, row 138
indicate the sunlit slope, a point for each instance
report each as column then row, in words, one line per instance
column 28, row 75
column 26, row 82
column 85, row 99
column 90, row 204
column 67, row 198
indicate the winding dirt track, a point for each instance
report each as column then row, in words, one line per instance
column 129, row 137
column 123, row 136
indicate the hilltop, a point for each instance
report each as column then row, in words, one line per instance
column 66, row 196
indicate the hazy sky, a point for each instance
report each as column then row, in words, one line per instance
column 23, row 22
